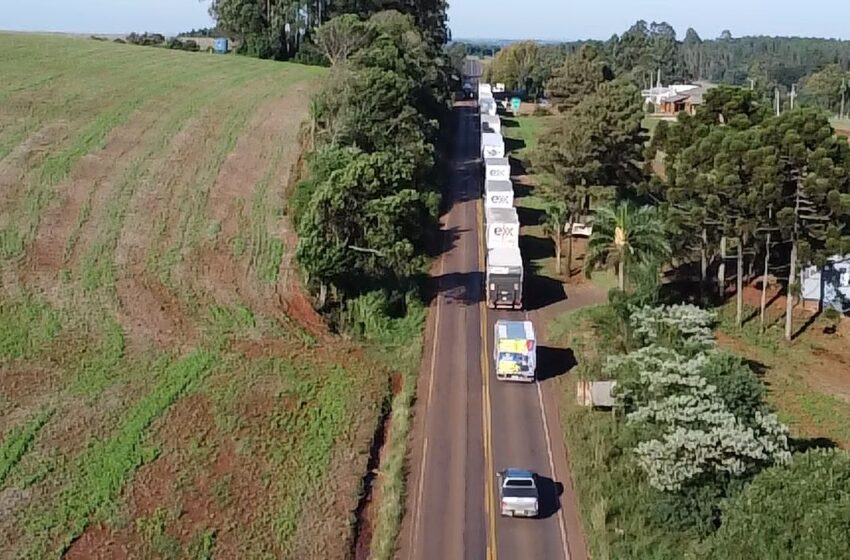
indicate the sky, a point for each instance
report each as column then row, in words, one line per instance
column 497, row 19
column 599, row 19
column 104, row 16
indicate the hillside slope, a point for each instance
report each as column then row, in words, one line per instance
column 164, row 391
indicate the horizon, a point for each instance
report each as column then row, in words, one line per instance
column 544, row 21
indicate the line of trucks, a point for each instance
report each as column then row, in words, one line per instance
column 514, row 343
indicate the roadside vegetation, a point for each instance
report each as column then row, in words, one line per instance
column 366, row 212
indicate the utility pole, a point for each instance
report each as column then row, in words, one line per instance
column 843, row 93
column 776, row 105
column 793, row 95
column 752, row 84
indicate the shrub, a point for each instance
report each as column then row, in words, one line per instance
column 787, row 513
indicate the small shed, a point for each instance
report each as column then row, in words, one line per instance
column 596, row 393
column 828, row 286
column 221, row 45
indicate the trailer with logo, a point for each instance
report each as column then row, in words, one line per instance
column 492, row 145
column 502, row 228
column 497, row 169
column 498, row 194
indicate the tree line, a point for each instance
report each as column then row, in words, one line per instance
column 772, row 192
column 284, row 29
column 366, row 214
column 819, row 67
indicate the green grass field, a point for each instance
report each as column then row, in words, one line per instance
column 164, row 387
column 525, row 130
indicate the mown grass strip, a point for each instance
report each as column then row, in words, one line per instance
column 18, row 441
column 106, row 465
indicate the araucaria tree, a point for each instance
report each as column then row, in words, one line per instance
column 591, row 153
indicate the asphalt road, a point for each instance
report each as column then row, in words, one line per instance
column 469, row 425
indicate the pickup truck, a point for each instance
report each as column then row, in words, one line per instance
column 518, row 493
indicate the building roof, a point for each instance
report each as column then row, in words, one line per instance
column 674, row 98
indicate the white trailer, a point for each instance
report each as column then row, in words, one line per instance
column 492, row 145
column 502, row 228
column 497, row 169
column 498, row 194
column 515, row 350
column 491, row 123
column 487, row 105
column 504, row 278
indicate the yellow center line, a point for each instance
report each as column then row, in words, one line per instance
column 489, row 504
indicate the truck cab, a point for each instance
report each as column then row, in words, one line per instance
column 518, row 495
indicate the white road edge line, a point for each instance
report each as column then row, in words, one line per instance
column 552, row 470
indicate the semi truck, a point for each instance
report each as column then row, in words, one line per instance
column 491, row 123
column 502, row 226
column 498, row 194
column 504, row 278
column 497, row 169
column 515, row 351
column 492, row 145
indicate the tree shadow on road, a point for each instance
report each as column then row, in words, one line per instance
column 554, row 362
column 446, row 240
column 550, row 493
column 456, row 287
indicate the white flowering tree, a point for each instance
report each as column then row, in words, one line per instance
column 686, row 328
column 686, row 429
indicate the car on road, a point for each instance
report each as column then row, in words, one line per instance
column 518, row 496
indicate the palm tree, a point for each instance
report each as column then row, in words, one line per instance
column 625, row 234
column 555, row 225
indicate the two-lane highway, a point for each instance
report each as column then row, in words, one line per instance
column 468, row 425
